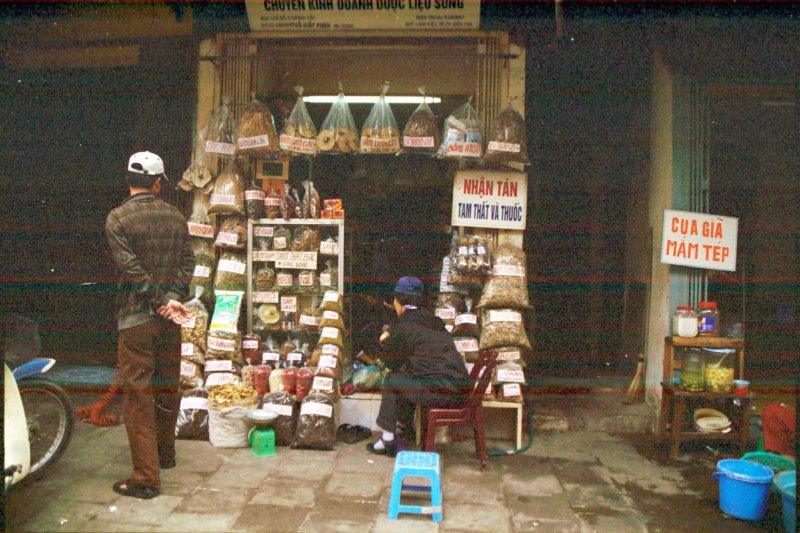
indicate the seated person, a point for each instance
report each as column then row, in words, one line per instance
column 425, row 367
column 779, row 427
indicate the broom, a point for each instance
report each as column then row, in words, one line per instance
column 635, row 392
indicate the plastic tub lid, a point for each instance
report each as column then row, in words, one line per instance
column 746, row 471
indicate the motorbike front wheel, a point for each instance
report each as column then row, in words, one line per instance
column 50, row 419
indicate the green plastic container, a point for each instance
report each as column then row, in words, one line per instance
column 777, row 463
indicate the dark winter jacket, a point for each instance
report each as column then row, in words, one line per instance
column 151, row 249
column 421, row 346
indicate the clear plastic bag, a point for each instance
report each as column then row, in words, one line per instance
column 194, row 331
column 305, row 239
column 508, row 285
column 227, row 198
column 312, row 207
column 191, row 375
column 503, row 327
column 285, row 406
column 203, row 277
column 316, row 426
column 508, row 140
column 338, row 133
column 290, row 205
column 421, row 133
column 232, row 233
column 367, row 378
column 462, row 133
column 272, row 205
column 469, row 260
column 255, row 132
column 332, row 301
column 323, row 352
column 380, row 134
column 262, row 238
column 466, row 324
column 468, row 347
column 264, row 279
column 254, row 197
column 509, row 380
column 231, row 272
column 308, row 282
column 329, row 278
column 198, row 174
column 332, row 319
column 224, row 345
column 448, row 306
column 282, row 239
column 192, row 421
column 331, row 335
column 304, row 378
column 299, row 136
column 220, row 135
column 269, row 315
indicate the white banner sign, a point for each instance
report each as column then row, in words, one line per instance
column 699, row 240
column 341, row 15
column 490, row 199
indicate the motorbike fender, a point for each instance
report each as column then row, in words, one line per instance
column 33, row 368
column 17, row 449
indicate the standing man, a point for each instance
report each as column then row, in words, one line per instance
column 426, row 368
column 151, row 250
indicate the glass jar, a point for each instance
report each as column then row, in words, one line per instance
column 692, row 375
column 708, row 319
column 684, row 322
column 719, row 369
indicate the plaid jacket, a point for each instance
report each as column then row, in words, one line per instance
column 151, row 249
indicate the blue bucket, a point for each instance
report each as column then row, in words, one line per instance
column 743, row 488
column 786, row 483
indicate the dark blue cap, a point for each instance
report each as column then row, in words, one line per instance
column 409, row 285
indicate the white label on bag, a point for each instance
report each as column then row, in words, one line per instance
column 380, row 146
column 224, row 345
column 510, row 376
column 512, row 389
column 200, row 230
column 466, row 319
column 322, row 383
column 449, row 328
column 330, row 315
column 190, row 324
column 328, row 361
column 231, row 239
column 270, row 356
column 263, row 231
column 309, row 320
column 188, row 368
column 282, row 410
column 299, row 145
column 279, row 243
column 504, row 316
column 284, row 280
column 467, row 345
column 219, row 378
column 250, row 344
column 187, row 348
column 263, row 255
column 254, row 194
column 330, row 349
column 259, row 141
column 194, row 403
column 316, row 408
column 289, row 304
column 265, row 297
column 218, row 366
column 498, row 146
column 214, row 147
column 331, row 333
column 223, row 199
column 294, row 356
column 329, row 248
column 306, row 280
column 463, row 149
column 509, row 356
column 231, row 265
column 508, row 270
column 331, row 296
column 446, row 313
column 417, row 142
column 202, row 271
column 325, row 279
column 271, row 201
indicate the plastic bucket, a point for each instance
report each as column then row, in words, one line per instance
column 786, row 483
column 743, row 488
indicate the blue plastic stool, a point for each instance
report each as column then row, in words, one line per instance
column 417, row 464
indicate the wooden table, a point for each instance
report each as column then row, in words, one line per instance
column 670, row 343
column 674, row 416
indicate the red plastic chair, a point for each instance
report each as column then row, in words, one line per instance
column 472, row 413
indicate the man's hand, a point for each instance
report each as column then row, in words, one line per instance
column 175, row 312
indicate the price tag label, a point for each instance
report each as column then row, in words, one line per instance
column 330, row 296
column 200, row 230
column 188, row 368
column 223, row 199
column 282, row 410
column 263, row 255
column 306, row 279
column 512, row 389
column 190, row 324
column 463, row 149
column 202, row 271
column 213, row 147
column 331, row 333
column 263, row 231
column 512, row 355
column 504, row 316
column 497, row 146
column 280, row 243
column 284, row 279
column 289, row 304
column 316, row 408
column 225, row 345
column 508, row 270
column 254, row 194
column 298, row 145
column 194, row 403
column 466, row 319
column 466, row 345
column 221, row 365
column 296, row 260
column 330, row 349
column 309, row 320
column 267, row 357
column 262, row 297
column 325, row 279
column 329, row 248
column 417, row 142
column 446, row 313
column 219, row 378
column 231, row 239
column 187, row 348
column 250, row 344
column 230, row 265
column 510, row 375
column 294, row 357
column 322, row 384
column 328, row 361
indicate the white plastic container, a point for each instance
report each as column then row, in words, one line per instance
column 684, row 322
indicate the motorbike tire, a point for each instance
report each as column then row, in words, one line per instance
column 50, row 418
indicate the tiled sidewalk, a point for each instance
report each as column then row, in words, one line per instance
column 567, row 482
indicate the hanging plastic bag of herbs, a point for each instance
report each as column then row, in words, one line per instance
column 272, row 204
column 508, row 140
column 220, row 135
column 462, row 133
column 203, row 276
column 311, row 202
column 329, row 277
column 421, row 133
column 338, row 133
column 380, row 134
column 299, row 136
column 290, row 205
column 254, row 197
column 227, row 198
column 198, row 174
column 232, row 234
column 255, row 131
column 231, row 272
column 507, row 286
column 194, row 331
column 310, row 317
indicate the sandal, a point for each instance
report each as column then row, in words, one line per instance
column 389, row 448
column 142, row 492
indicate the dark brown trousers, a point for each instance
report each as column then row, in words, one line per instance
column 149, row 361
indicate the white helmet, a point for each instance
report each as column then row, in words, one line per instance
column 146, row 163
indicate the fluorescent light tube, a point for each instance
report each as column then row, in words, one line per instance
column 329, row 99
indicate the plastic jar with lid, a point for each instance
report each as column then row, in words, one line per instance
column 708, row 319
column 692, row 376
column 684, row 321
column 719, row 369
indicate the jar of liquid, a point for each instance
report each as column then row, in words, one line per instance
column 692, row 377
column 684, row 321
column 708, row 319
